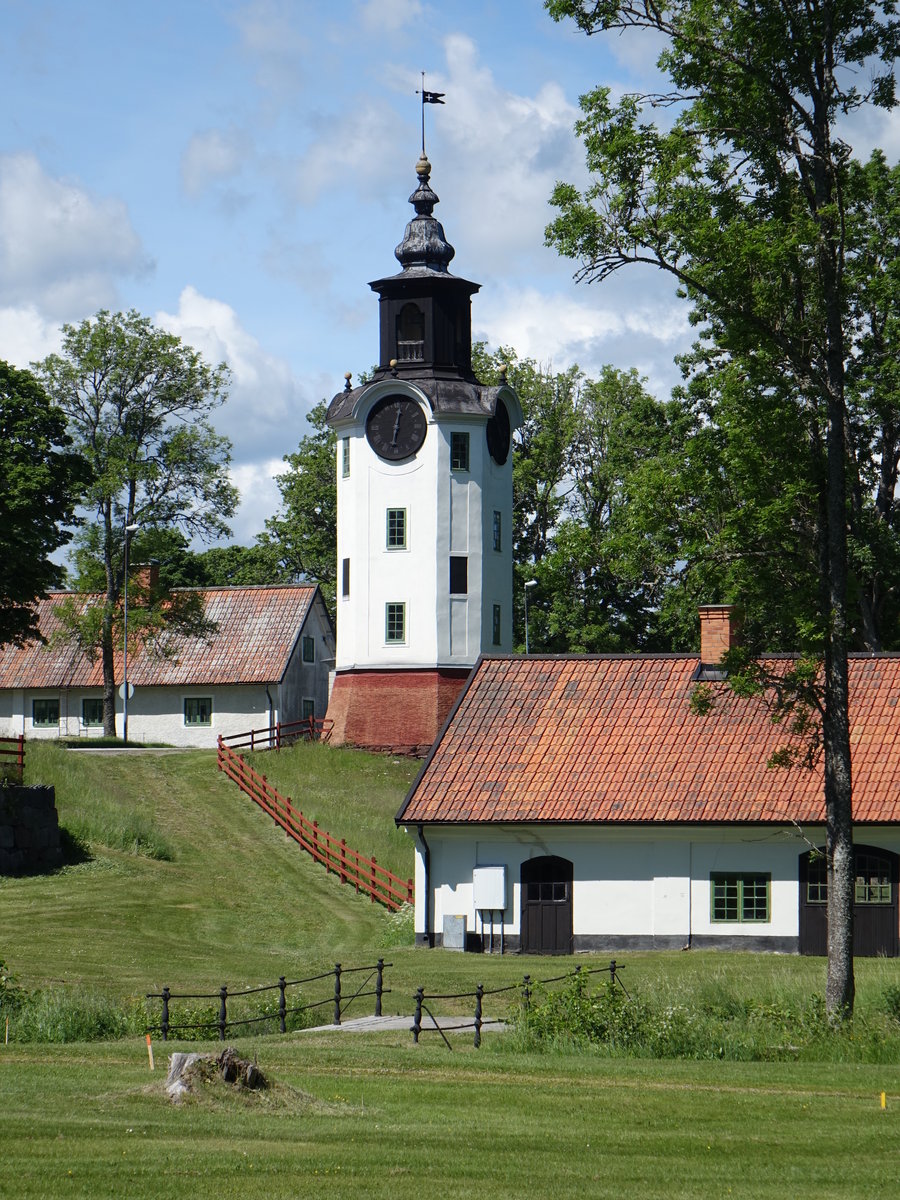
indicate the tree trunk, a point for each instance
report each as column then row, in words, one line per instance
column 109, row 674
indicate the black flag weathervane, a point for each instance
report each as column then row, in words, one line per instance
column 428, row 98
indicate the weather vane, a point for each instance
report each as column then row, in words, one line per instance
column 428, row 98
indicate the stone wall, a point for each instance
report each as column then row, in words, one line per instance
column 29, row 830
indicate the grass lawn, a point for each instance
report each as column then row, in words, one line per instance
column 377, row 1117
column 185, row 882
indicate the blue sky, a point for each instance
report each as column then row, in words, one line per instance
column 238, row 171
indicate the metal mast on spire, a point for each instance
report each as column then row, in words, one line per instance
column 428, row 98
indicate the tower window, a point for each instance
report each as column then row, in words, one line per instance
column 459, row 451
column 345, row 457
column 345, row 577
column 395, row 623
column 459, row 574
column 495, row 626
column 410, row 334
column 396, row 529
column 498, row 527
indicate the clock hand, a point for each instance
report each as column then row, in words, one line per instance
column 396, row 429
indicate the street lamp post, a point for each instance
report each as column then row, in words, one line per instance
column 129, row 529
column 530, row 583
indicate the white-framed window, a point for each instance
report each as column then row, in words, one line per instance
column 45, row 712
column 92, row 710
column 309, row 648
column 396, row 529
column 495, row 626
column 345, row 457
column 459, row 451
column 198, row 710
column 395, row 622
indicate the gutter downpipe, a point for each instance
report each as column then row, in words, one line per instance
column 426, row 862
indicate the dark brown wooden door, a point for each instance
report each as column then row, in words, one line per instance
column 875, row 912
column 547, row 905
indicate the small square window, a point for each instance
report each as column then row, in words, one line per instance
column 739, row 898
column 345, row 577
column 198, row 710
column 92, row 711
column 498, row 530
column 309, row 648
column 396, row 528
column 495, row 626
column 45, row 712
column 459, row 451
column 459, row 575
column 345, row 457
column 395, row 623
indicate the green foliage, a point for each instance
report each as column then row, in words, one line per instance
column 399, row 928
column 303, row 533
column 58, row 1015
column 137, row 404
column 42, row 476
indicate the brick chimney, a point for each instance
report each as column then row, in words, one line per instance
column 146, row 576
column 720, row 629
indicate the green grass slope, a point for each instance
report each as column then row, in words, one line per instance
column 187, row 882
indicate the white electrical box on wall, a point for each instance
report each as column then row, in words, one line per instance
column 489, row 888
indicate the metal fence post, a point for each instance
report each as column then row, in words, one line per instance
column 526, row 992
column 417, row 1019
column 479, row 997
column 164, row 1023
column 379, row 986
column 223, row 1014
column 282, row 1004
column 337, row 993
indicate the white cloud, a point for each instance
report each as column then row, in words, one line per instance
column 264, row 413
column 212, row 157
column 260, row 498
column 390, row 16
column 26, row 337
column 61, row 248
column 271, row 36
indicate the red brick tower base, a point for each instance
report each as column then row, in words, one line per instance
column 398, row 711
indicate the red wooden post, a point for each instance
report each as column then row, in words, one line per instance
column 315, row 839
column 277, row 735
column 372, row 881
column 409, row 891
column 343, row 861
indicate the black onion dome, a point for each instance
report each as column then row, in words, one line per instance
column 424, row 243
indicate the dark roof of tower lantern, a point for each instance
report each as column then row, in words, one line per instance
column 424, row 245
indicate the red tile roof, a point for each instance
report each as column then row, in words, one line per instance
column 257, row 630
column 614, row 739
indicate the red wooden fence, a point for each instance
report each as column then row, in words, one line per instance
column 337, row 857
column 282, row 733
column 12, row 757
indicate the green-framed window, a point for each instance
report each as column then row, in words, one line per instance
column 396, row 529
column 45, row 712
column 345, row 457
column 92, row 710
column 394, row 622
column 873, row 879
column 309, row 648
column 459, row 451
column 739, row 898
column 198, row 710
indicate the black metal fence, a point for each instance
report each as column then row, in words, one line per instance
column 524, row 988
column 339, row 999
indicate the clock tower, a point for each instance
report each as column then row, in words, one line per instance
column 424, row 505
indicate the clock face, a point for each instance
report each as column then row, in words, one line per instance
column 497, row 430
column 396, row 427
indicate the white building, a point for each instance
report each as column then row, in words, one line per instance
column 424, row 485
column 578, row 803
column 267, row 661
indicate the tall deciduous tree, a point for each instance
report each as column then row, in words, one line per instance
column 304, row 531
column 138, row 402
column 41, row 478
column 743, row 199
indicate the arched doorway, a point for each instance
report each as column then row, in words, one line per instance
column 875, row 930
column 547, row 905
